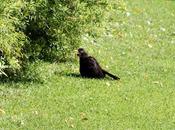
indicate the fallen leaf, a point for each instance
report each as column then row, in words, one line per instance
column 2, row 111
column 70, row 122
column 108, row 84
column 83, row 116
column 128, row 14
column 158, row 82
column 162, row 29
column 149, row 22
column 150, row 46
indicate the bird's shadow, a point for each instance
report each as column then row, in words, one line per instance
column 74, row 75
column 77, row 75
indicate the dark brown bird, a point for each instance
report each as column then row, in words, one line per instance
column 90, row 68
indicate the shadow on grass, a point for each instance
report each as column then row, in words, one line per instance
column 77, row 75
column 16, row 83
column 74, row 75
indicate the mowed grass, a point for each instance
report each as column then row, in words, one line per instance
column 142, row 53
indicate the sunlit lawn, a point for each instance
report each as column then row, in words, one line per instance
column 142, row 53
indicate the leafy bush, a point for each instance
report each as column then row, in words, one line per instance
column 12, row 43
column 47, row 29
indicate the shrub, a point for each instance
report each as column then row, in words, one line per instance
column 47, row 29
column 11, row 45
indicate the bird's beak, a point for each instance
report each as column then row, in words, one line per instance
column 78, row 54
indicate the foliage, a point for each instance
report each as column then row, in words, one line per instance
column 12, row 43
column 47, row 29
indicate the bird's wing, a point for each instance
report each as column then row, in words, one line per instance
column 94, row 62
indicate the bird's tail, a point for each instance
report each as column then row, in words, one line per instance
column 111, row 75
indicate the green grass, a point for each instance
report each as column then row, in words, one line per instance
column 142, row 53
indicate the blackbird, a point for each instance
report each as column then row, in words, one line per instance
column 90, row 68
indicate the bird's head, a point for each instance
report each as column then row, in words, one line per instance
column 82, row 53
